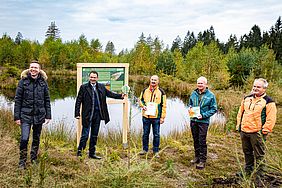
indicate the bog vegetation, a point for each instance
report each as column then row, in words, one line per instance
column 230, row 68
column 59, row 167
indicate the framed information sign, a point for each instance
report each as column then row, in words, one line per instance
column 114, row 76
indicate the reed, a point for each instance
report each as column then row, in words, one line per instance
column 59, row 167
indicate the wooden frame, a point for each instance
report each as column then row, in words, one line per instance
column 105, row 66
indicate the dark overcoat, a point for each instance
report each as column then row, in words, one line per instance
column 85, row 97
column 32, row 100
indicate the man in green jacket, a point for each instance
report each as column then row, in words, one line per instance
column 202, row 105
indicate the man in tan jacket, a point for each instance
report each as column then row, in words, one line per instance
column 153, row 104
column 256, row 118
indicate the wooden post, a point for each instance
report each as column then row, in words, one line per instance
column 125, row 123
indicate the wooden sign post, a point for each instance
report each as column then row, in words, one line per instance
column 114, row 76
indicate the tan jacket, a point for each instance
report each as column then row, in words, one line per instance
column 256, row 114
column 157, row 96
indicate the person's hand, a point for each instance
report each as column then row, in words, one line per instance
column 77, row 117
column 123, row 95
column 144, row 108
column 47, row 121
column 200, row 116
column 18, row 122
column 162, row 120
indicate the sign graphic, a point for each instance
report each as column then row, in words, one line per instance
column 112, row 77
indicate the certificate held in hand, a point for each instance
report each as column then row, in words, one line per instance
column 194, row 111
column 151, row 109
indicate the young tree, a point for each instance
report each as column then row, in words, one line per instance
column 7, row 46
column 208, row 61
column 240, row 66
column 179, row 65
column 165, row 63
column 141, row 60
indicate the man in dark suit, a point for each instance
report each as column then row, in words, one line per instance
column 92, row 97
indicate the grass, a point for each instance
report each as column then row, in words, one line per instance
column 59, row 167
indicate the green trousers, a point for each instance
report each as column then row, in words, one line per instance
column 253, row 145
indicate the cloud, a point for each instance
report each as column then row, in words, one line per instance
column 123, row 21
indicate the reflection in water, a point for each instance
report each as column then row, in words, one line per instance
column 63, row 93
column 63, row 111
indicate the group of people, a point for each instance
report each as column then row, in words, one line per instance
column 256, row 117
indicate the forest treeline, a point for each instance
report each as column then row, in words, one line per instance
column 234, row 63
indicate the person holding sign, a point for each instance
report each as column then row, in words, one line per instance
column 153, row 104
column 202, row 105
column 92, row 97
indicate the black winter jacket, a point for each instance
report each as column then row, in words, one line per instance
column 84, row 97
column 32, row 100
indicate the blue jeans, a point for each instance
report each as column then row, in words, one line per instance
column 199, row 133
column 25, row 132
column 94, row 125
column 147, row 122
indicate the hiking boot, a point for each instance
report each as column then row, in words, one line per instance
column 22, row 166
column 156, row 154
column 259, row 182
column 143, row 152
column 95, row 157
column 241, row 174
column 195, row 160
column 35, row 161
column 201, row 165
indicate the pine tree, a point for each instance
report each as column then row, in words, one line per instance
column 110, row 48
column 53, row 31
column 189, row 42
column 176, row 44
column 19, row 38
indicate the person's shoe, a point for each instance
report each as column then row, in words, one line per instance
column 156, row 154
column 95, row 157
column 195, row 161
column 22, row 166
column 35, row 161
column 200, row 166
column 143, row 152
column 259, row 182
column 79, row 154
column 241, row 174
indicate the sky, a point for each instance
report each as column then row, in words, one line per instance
column 123, row 21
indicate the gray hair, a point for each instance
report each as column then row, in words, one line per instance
column 203, row 78
column 265, row 83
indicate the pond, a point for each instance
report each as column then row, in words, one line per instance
column 63, row 93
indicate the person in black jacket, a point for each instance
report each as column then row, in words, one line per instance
column 32, row 109
column 92, row 97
